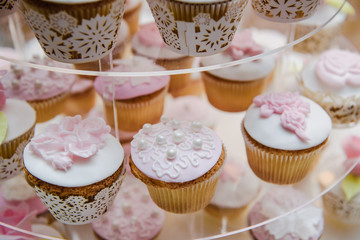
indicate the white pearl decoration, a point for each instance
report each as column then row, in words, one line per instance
column 197, row 143
column 178, row 136
column 175, row 124
column 171, row 154
column 126, row 207
column 196, row 126
column 160, row 140
column 164, row 119
column 141, row 144
column 38, row 84
column 147, row 128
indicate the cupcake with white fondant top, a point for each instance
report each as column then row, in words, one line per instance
column 17, row 124
column 333, row 81
column 232, row 89
column 284, row 135
column 76, row 168
column 306, row 223
column 180, row 162
column 147, row 42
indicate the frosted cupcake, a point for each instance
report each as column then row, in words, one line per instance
column 304, row 224
column 342, row 202
column 60, row 164
column 326, row 37
column 17, row 123
column 333, row 81
column 74, row 31
column 132, row 216
column 147, row 42
column 284, row 135
column 285, row 10
column 197, row 28
column 45, row 91
column 232, row 89
column 180, row 162
column 236, row 188
column 138, row 100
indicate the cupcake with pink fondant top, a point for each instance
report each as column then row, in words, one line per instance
column 45, row 91
column 306, row 223
column 138, row 100
column 333, row 81
column 232, row 89
column 148, row 42
column 342, row 202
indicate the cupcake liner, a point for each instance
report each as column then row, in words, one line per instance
column 186, row 199
column 342, row 210
column 344, row 111
column 49, row 108
column 80, row 103
column 7, row 7
column 13, row 164
column 318, row 42
column 74, row 34
column 231, row 96
column 132, row 18
column 131, row 116
column 197, row 29
column 285, row 10
column 76, row 209
column 280, row 166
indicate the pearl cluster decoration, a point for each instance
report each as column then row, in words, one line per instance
column 173, row 146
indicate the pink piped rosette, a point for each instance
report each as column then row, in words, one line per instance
column 343, row 201
column 333, row 81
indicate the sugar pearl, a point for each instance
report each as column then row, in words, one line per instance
column 197, row 143
column 38, row 84
column 178, row 136
column 171, row 154
column 196, row 126
column 160, row 140
column 141, row 144
column 147, row 128
column 164, row 119
column 175, row 124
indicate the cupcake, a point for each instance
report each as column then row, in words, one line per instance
column 45, row 91
column 197, row 28
column 138, row 100
column 333, row 81
column 180, row 162
column 326, row 37
column 285, row 10
column 304, row 224
column 7, row 7
column 17, row 123
column 60, row 164
column 132, row 14
column 284, row 134
column 82, row 98
column 133, row 215
column 232, row 89
column 74, row 31
column 147, row 42
column 191, row 108
column 236, row 188
column 105, row 63
column 342, row 202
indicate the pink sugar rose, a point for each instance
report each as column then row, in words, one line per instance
column 295, row 122
column 18, row 216
column 351, row 146
column 243, row 45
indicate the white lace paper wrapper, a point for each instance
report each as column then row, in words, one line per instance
column 76, row 210
column 6, row 7
column 65, row 38
column 285, row 10
column 10, row 167
column 201, row 34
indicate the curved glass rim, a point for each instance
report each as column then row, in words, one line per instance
column 173, row 72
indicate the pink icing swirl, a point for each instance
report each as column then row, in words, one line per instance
column 338, row 68
column 291, row 108
column 2, row 96
column 243, row 45
column 70, row 140
column 149, row 35
column 351, row 146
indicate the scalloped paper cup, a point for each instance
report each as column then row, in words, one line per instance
column 344, row 111
column 78, row 205
column 133, row 114
column 231, row 96
column 197, row 28
column 285, row 10
column 280, row 166
column 74, row 32
column 11, row 155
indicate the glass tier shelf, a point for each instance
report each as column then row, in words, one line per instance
column 204, row 224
